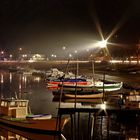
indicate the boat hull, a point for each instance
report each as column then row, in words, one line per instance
column 96, row 87
column 83, row 96
column 39, row 126
column 26, row 134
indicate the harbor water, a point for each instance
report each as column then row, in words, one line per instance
column 41, row 101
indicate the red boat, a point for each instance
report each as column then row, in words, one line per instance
column 56, row 82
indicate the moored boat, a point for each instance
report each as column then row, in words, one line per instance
column 83, row 96
column 96, row 86
column 14, row 112
column 67, row 81
column 108, row 85
column 78, row 94
column 8, row 133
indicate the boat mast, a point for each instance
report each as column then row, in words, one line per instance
column 103, row 87
column 77, row 68
column 76, row 74
column 61, row 90
column 93, row 71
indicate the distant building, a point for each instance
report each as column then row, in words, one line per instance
column 38, row 57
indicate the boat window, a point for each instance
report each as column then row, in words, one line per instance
column 12, row 104
column 2, row 103
column 22, row 104
column 5, row 104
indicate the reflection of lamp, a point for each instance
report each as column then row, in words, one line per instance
column 103, row 106
column 2, row 52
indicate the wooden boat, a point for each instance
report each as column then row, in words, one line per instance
column 108, row 85
column 8, row 133
column 14, row 112
column 67, row 81
column 79, row 95
column 96, row 86
column 83, row 96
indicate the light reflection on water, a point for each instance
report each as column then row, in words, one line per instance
column 14, row 85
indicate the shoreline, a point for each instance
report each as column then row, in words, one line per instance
column 84, row 67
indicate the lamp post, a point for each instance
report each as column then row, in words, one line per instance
column 77, row 64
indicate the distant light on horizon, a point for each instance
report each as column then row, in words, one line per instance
column 64, row 48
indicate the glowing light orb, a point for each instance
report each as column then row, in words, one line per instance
column 103, row 106
column 102, row 44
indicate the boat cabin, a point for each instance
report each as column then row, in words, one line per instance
column 14, row 108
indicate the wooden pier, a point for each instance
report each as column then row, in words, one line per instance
column 93, row 114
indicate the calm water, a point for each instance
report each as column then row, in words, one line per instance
column 41, row 101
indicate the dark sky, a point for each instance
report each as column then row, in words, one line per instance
column 46, row 25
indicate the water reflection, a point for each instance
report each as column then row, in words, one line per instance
column 42, row 101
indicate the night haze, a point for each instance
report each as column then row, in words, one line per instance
column 45, row 26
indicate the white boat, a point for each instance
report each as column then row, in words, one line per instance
column 39, row 116
column 54, row 72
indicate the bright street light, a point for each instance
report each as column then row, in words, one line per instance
column 102, row 44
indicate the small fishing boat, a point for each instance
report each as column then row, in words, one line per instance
column 95, row 86
column 14, row 113
column 83, row 96
column 108, row 85
column 67, row 81
column 77, row 94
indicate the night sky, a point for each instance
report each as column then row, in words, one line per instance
column 47, row 25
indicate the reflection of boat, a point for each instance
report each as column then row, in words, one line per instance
column 14, row 114
column 27, row 72
column 9, row 133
